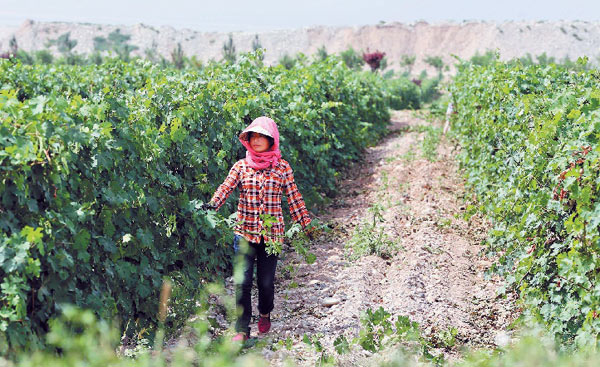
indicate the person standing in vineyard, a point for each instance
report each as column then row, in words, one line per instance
column 261, row 177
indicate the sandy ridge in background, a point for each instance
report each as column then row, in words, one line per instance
column 513, row 39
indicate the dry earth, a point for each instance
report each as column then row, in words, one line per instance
column 436, row 278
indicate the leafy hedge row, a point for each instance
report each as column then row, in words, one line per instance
column 529, row 139
column 103, row 168
column 404, row 93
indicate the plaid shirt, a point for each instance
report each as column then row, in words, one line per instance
column 260, row 193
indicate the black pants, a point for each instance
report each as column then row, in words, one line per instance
column 249, row 253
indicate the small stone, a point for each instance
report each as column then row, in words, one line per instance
column 313, row 282
column 502, row 339
column 330, row 301
column 333, row 258
column 268, row 354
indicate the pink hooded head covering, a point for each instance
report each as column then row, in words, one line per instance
column 266, row 126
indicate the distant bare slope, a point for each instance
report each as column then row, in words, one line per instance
column 558, row 39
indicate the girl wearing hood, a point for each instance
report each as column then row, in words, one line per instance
column 262, row 177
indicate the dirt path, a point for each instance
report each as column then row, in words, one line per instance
column 436, row 278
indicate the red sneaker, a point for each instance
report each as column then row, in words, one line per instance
column 240, row 337
column 264, row 324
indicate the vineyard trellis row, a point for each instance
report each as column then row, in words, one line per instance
column 529, row 147
column 103, row 170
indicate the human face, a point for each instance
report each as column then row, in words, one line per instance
column 259, row 142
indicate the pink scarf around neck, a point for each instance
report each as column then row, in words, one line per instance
column 270, row 158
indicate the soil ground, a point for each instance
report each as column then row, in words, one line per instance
column 435, row 276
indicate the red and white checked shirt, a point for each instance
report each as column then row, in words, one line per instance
column 260, row 193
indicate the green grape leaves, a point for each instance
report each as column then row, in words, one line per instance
column 99, row 165
column 529, row 138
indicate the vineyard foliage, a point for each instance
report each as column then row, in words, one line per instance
column 104, row 169
column 404, row 94
column 529, row 146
